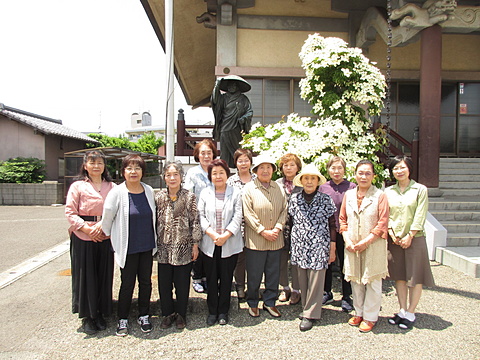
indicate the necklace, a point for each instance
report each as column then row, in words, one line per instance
column 173, row 197
column 97, row 186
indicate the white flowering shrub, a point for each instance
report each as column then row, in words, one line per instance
column 344, row 87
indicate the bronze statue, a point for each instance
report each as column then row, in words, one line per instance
column 233, row 114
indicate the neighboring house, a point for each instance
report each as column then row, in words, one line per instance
column 136, row 133
column 26, row 134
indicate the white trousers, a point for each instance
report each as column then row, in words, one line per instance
column 367, row 299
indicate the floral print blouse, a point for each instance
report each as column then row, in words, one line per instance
column 310, row 231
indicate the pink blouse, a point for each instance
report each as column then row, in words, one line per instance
column 83, row 199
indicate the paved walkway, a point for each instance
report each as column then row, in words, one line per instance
column 37, row 323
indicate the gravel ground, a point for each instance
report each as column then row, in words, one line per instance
column 37, row 324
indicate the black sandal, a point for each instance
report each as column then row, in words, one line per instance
column 395, row 320
column 405, row 324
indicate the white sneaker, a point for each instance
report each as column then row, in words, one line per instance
column 198, row 287
column 122, row 329
column 145, row 324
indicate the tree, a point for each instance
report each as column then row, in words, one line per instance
column 148, row 143
column 344, row 87
column 22, row 170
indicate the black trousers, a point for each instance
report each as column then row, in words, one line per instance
column 198, row 268
column 92, row 277
column 136, row 266
column 168, row 277
column 346, row 287
column 219, row 280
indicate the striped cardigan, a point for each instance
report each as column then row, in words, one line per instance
column 263, row 209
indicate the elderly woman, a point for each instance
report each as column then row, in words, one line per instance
column 290, row 165
column 364, row 226
column 195, row 181
column 90, row 250
column 220, row 209
column 408, row 262
column 178, row 235
column 312, row 226
column 265, row 213
column 336, row 188
column 243, row 162
column 129, row 217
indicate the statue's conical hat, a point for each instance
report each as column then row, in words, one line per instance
column 242, row 84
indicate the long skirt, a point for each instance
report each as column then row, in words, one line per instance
column 92, row 277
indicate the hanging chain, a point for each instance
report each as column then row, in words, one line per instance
column 388, row 78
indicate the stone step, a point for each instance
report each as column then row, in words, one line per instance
column 456, row 215
column 443, row 204
column 459, row 185
column 461, row 226
column 474, row 170
column 460, row 192
column 465, row 259
column 461, row 178
column 463, row 239
column 447, row 161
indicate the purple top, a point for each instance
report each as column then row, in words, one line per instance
column 336, row 192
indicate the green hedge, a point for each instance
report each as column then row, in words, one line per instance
column 22, row 170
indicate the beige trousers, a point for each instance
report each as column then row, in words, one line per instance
column 311, row 286
column 367, row 299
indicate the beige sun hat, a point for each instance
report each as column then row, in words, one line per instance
column 263, row 159
column 309, row 169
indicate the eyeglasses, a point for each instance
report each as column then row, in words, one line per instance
column 366, row 174
column 398, row 168
column 136, row 169
column 241, row 162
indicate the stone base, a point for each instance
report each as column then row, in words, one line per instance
column 435, row 192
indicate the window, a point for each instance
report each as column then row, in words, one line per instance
column 405, row 113
column 272, row 99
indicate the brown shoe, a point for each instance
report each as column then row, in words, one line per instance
column 167, row 321
column 180, row 322
column 284, row 295
column 295, row 298
column 355, row 320
column 366, row 326
column 253, row 312
column 272, row 310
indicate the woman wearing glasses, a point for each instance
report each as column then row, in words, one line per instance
column 129, row 218
column 243, row 162
column 363, row 224
column 408, row 262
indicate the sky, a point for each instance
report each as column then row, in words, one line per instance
column 89, row 63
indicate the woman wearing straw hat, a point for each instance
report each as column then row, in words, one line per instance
column 312, row 221
column 265, row 213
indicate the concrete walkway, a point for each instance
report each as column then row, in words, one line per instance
column 37, row 323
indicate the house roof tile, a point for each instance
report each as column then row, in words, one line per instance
column 43, row 124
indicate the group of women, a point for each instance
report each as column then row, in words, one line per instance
column 217, row 227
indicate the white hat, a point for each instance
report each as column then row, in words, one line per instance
column 263, row 159
column 309, row 169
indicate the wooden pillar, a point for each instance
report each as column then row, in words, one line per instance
column 430, row 100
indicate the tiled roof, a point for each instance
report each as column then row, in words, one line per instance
column 43, row 124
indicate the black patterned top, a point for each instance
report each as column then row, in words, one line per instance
column 178, row 227
column 310, row 230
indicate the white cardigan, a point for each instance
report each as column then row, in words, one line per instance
column 116, row 216
column 231, row 220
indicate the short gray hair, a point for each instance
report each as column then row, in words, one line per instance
column 177, row 165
